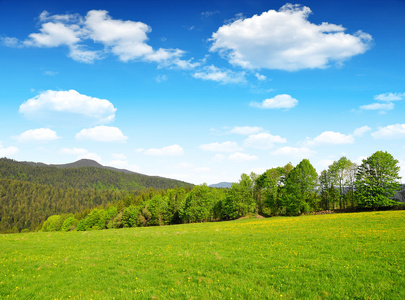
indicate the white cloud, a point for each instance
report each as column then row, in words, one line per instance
column 286, row 40
column 221, row 147
column 260, row 77
column 102, row 134
column 37, row 135
column 101, row 110
column 263, row 140
column 173, row 150
column 396, row 131
column 378, row 106
column 7, row 152
column 330, row 138
column 223, row 76
column 246, row 130
column 279, row 101
column 241, row 157
column 293, row 152
column 125, row 39
column 390, row 97
column 361, row 131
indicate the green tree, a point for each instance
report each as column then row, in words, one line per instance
column 377, row 180
column 299, row 188
column 340, row 171
column 239, row 200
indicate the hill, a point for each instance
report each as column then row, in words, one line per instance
column 84, row 174
column 223, row 185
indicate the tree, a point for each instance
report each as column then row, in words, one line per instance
column 340, row 172
column 377, row 180
column 299, row 188
column 239, row 201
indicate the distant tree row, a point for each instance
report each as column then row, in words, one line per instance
column 284, row 190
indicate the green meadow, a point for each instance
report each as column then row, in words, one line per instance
column 336, row 256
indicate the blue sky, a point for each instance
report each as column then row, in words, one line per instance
column 201, row 91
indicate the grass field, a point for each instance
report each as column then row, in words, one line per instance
column 337, row 256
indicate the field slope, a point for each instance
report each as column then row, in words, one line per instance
column 337, row 256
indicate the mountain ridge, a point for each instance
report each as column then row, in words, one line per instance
column 84, row 173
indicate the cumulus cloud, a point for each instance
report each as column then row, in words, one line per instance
column 71, row 101
column 263, row 141
column 220, row 75
column 37, row 135
column 125, row 39
column 246, row 130
column 173, row 150
column 102, row 134
column 300, row 153
column 286, row 40
column 361, row 131
column 221, row 147
column 242, row 157
column 378, row 106
column 390, row 97
column 7, row 152
column 387, row 100
column 396, row 131
column 330, row 138
column 279, row 101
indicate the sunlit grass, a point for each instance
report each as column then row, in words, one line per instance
column 338, row 256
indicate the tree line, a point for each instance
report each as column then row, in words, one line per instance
column 286, row 190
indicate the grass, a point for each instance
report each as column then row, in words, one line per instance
column 337, row 256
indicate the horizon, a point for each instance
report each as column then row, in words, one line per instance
column 202, row 92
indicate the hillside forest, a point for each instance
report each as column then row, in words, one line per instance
column 51, row 198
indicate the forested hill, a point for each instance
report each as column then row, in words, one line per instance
column 83, row 174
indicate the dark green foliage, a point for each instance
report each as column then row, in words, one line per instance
column 26, row 205
column 299, row 188
column 83, row 177
column 284, row 190
column 70, row 224
column 239, row 199
column 377, row 180
column 130, row 216
column 199, row 204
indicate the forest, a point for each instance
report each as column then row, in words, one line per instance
column 53, row 199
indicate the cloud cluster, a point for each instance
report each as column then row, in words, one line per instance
column 220, row 75
column 37, row 135
column 277, row 102
column 263, row 141
column 286, row 40
column 386, row 102
column 7, row 152
column 330, row 138
column 125, row 39
column 102, row 134
column 49, row 102
column 396, row 131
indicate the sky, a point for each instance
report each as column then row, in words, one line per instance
column 202, row 91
